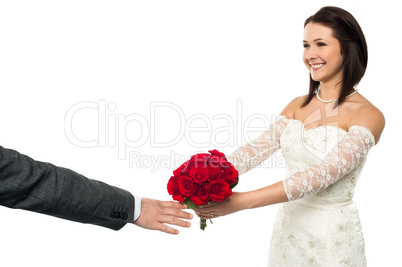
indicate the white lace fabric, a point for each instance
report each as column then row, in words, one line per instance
column 254, row 153
column 320, row 224
column 350, row 152
column 346, row 155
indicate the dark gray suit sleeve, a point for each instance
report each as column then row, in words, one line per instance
column 42, row 187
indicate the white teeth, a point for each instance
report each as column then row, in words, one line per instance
column 317, row 65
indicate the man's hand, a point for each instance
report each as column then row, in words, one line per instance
column 155, row 214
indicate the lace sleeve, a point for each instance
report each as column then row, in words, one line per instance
column 351, row 151
column 254, row 153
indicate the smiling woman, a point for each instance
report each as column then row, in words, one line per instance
column 333, row 34
column 322, row 54
column 325, row 144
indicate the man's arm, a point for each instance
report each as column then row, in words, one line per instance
column 42, row 187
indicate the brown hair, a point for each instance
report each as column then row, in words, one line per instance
column 353, row 48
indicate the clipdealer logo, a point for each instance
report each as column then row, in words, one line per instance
column 128, row 132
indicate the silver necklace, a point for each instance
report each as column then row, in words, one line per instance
column 332, row 100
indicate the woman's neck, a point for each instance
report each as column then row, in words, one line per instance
column 330, row 91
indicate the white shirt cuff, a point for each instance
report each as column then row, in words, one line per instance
column 137, row 207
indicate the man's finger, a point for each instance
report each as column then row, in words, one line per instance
column 169, row 230
column 173, row 204
column 178, row 213
column 175, row 221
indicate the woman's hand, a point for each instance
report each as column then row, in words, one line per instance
column 216, row 209
column 265, row 196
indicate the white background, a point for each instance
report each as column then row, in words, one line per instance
column 205, row 57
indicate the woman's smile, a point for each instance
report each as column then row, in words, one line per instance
column 316, row 66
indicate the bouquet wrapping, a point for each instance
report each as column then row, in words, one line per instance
column 203, row 178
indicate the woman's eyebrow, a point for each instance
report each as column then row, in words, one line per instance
column 315, row 40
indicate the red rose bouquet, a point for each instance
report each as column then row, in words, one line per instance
column 205, row 177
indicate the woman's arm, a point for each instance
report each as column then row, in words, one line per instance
column 342, row 159
column 254, row 153
column 265, row 196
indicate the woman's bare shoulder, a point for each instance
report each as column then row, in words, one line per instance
column 293, row 105
column 369, row 116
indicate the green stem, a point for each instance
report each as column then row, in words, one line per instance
column 203, row 224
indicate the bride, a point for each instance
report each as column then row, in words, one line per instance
column 325, row 137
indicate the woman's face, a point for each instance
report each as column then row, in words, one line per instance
column 322, row 54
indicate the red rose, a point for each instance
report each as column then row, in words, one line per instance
column 200, row 157
column 186, row 185
column 214, row 172
column 216, row 153
column 204, row 177
column 199, row 174
column 217, row 159
column 219, row 190
column 174, row 190
column 184, row 169
column 225, row 164
column 200, row 160
column 230, row 174
column 200, row 195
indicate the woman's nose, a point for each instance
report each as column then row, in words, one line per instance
column 311, row 54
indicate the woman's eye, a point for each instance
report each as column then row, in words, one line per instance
column 321, row 44
column 306, row 45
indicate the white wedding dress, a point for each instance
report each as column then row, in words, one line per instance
column 320, row 225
